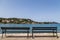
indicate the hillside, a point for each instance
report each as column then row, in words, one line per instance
column 22, row 21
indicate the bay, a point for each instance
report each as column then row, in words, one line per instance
column 30, row 25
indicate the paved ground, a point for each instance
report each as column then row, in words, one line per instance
column 45, row 36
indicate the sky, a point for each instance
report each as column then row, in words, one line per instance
column 37, row 10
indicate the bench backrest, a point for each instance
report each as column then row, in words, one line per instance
column 44, row 28
column 18, row 28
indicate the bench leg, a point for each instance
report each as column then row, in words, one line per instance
column 56, row 34
column 2, row 33
column 5, row 32
column 27, row 33
column 53, row 33
column 32, row 34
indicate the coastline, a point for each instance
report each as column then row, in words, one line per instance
column 23, row 36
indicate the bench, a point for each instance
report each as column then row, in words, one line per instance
column 4, row 29
column 43, row 29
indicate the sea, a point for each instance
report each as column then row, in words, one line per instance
column 29, row 25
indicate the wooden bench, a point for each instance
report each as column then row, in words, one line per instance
column 4, row 29
column 42, row 29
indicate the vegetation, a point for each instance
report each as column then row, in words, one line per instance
column 22, row 21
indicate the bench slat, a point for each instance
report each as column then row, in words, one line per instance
column 18, row 28
column 44, row 28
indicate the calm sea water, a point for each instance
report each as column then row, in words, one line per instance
column 30, row 25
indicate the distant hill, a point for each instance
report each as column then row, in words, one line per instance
column 22, row 21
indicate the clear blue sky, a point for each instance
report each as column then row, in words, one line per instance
column 37, row 10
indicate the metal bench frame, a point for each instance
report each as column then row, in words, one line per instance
column 54, row 30
column 14, row 28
